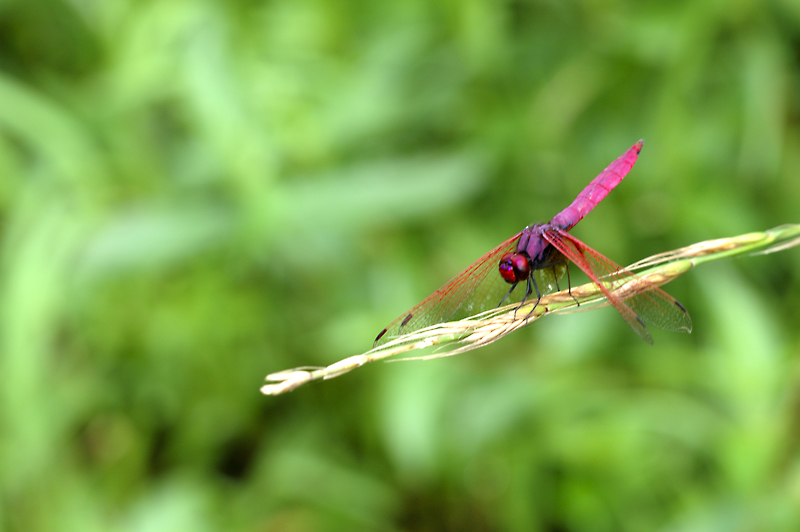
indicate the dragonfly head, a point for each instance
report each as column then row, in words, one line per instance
column 514, row 267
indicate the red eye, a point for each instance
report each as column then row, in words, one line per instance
column 514, row 267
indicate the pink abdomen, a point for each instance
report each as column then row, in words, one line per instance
column 598, row 189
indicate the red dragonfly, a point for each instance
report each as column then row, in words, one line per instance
column 544, row 251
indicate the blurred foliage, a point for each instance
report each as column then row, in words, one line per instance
column 196, row 193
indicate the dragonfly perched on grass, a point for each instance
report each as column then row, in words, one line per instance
column 537, row 257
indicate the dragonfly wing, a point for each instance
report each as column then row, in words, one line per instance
column 648, row 304
column 476, row 289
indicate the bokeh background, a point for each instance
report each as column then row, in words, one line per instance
column 194, row 194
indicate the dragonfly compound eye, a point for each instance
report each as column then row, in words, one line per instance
column 514, row 267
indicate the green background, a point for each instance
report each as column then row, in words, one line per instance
column 194, row 194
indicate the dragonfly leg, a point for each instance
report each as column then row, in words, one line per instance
column 528, row 292
column 513, row 286
column 569, row 287
column 555, row 277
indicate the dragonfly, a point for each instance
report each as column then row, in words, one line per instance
column 537, row 257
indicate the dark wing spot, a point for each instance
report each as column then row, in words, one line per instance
column 406, row 320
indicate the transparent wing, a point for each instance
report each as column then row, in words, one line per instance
column 478, row 288
column 642, row 302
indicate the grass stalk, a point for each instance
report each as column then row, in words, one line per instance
column 457, row 337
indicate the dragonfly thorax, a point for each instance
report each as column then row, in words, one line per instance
column 533, row 244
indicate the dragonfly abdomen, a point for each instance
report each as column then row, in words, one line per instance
column 597, row 189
